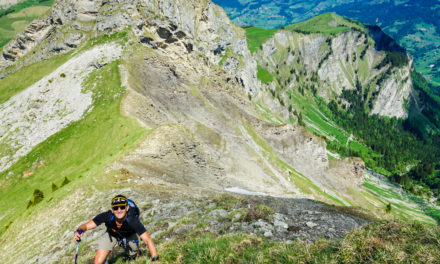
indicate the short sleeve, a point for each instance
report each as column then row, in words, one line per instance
column 101, row 218
column 137, row 226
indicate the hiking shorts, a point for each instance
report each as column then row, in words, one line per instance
column 105, row 243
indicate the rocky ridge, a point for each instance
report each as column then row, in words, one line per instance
column 195, row 63
column 277, row 219
column 205, row 27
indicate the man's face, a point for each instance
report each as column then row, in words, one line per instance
column 120, row 213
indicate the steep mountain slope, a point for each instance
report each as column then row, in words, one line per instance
column 336, row 74
column 167, row 105
column 328, row 64
column 155, row 78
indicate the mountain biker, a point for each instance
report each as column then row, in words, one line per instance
column 122, row 229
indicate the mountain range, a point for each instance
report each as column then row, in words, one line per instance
column 223, row 135
column 414, row 24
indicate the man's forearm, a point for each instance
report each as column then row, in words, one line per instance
column 147, row 239
column 87, row 226
column 152, row 248
column 82, row 227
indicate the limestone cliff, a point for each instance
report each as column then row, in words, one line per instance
column 327, row 64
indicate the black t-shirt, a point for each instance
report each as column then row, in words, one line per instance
column 130, row 226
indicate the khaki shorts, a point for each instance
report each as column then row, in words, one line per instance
column 105, row 243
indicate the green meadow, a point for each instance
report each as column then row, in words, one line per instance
column 264, row 75
column 78, row 153
column 14, row 19
column 257, row 36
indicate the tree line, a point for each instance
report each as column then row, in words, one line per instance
column 398, row 142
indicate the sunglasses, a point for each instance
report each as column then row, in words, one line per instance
column 115, row 208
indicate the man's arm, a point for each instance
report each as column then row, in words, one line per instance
column 147, row 239
column 84, row 227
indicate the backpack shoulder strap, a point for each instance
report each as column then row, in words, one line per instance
column 108, row 222
column 109, row 219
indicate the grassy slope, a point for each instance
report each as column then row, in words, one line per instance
column 264, row 75
column 384, row 242
column 23, row 14
column 80, row 152
column 327, row 23
column 257, row 36
column 14, row 83
column 376, row 195
column 377, row 243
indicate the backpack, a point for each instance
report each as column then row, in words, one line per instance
column 134, row 211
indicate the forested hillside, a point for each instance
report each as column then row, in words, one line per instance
column 406, row 148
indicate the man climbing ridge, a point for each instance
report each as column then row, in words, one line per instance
column 123, row 228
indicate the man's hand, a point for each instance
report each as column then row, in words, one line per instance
column 83, row 228
column 77, row 235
